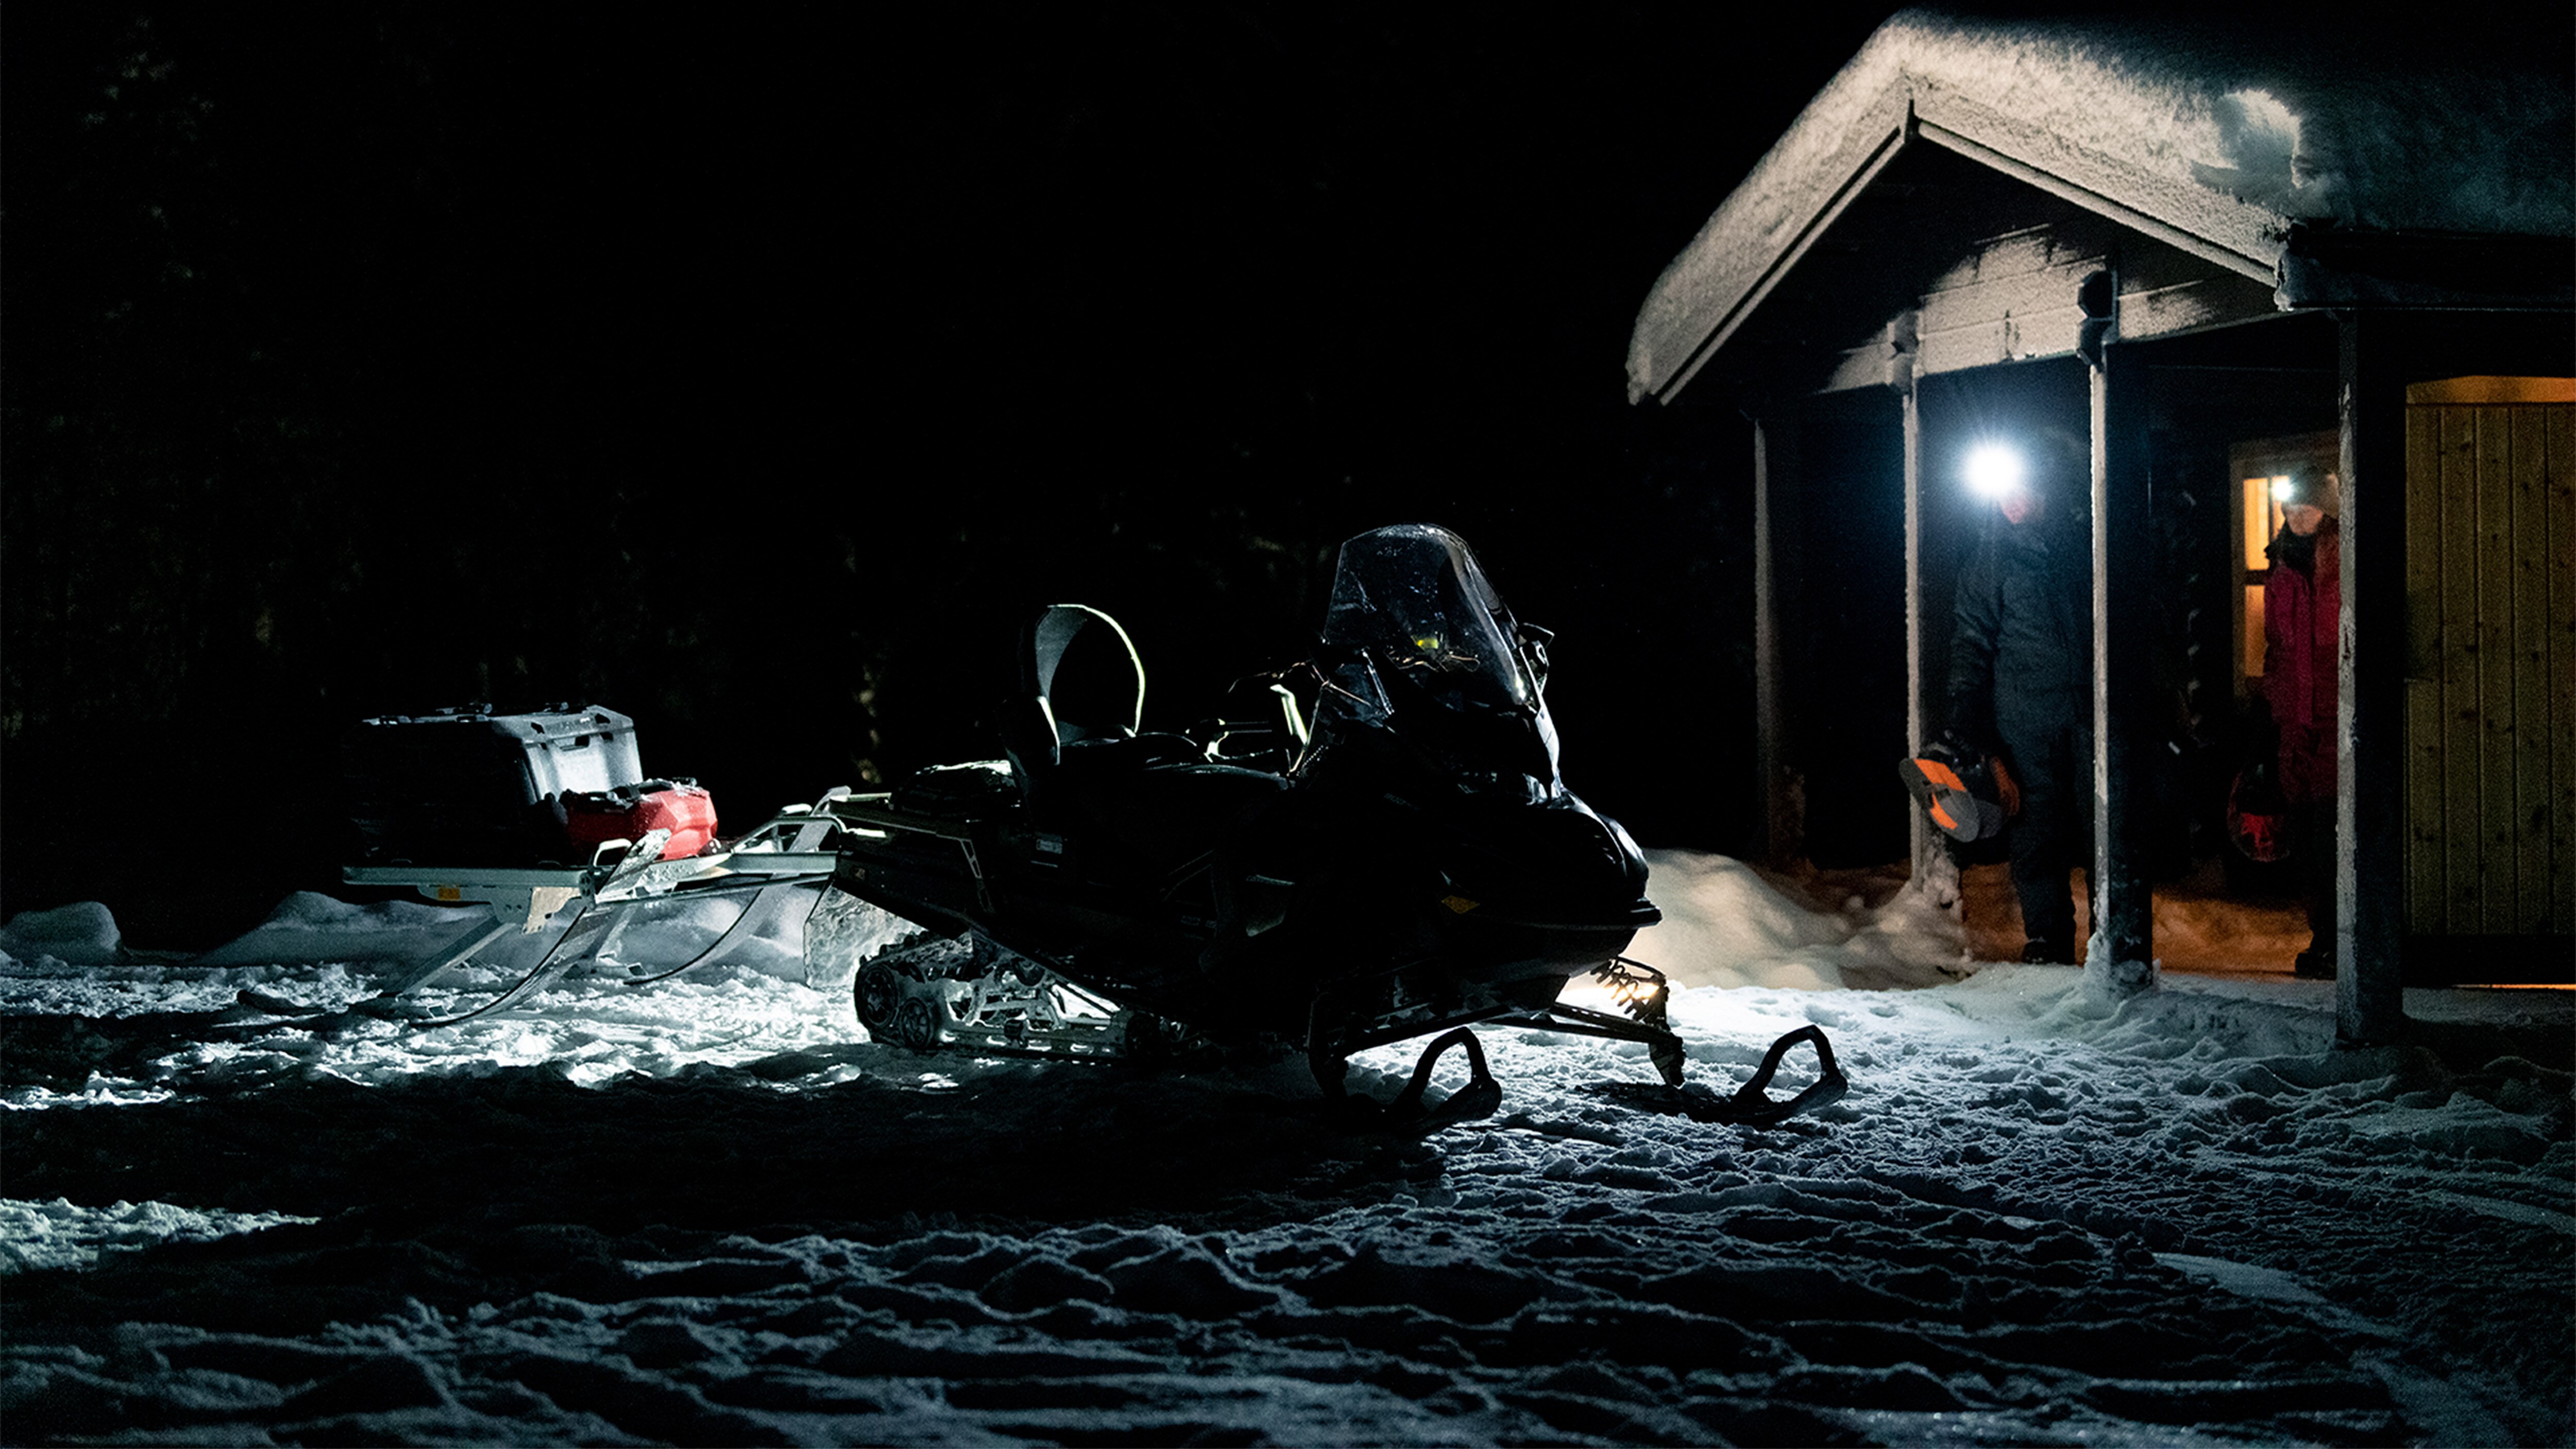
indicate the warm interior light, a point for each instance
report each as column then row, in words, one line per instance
column 2263, row 516
column 2254, row 631
column 1994, row 469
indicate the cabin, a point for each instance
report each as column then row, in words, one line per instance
column 2206, row 253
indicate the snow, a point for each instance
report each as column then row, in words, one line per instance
column 1726, row 925
column 245, row 1204
column 83, row 934
column 59, row 1234
column 2219, row 129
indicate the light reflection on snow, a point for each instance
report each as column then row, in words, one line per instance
column 2007, row 1140
column 61, row 1234
column 98, row 1091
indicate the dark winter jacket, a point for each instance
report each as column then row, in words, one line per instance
column 2302, row 608
column 2021, row 651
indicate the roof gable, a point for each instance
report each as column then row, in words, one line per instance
column 2212, row 139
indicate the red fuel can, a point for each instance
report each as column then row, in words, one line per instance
column 625, row 813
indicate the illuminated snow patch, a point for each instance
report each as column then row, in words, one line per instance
column 2243, row 1279
column 99, row 1091
column 592, row 1031
column 59, row 1234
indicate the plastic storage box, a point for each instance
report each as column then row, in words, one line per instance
column 469, row 787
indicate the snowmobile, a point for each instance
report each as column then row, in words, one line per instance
column 1384, row 850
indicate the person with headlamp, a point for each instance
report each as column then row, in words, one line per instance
column 2021, row 676
column 2302, row 611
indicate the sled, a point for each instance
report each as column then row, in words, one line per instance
column 791, row 851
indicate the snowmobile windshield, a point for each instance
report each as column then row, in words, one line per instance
column 1413, row 599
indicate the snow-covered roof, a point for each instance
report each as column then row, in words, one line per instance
column 2210, row 135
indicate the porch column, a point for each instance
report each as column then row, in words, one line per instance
column 1773, row 536
column 2123, row 945
column 2370, row 697
column 1920, row 842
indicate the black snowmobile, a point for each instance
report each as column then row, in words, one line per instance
column 1410, row 863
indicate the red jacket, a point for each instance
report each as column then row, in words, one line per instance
column 2302, row 613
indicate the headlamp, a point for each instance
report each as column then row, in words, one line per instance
column 1994, row 470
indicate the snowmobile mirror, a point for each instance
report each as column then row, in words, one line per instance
column 1534, row 642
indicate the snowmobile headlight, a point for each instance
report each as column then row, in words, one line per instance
column 1994, row 470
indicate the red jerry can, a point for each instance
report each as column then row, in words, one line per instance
column 625, row 813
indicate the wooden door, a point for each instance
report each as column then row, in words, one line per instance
column 2491, row 669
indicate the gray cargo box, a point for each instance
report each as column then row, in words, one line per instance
column 466, row 786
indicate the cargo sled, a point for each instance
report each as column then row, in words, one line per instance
column 547, row 816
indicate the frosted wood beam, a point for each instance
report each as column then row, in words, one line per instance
column 2124, row 597
column 2370, row 701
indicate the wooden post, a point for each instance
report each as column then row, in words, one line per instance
column 1767, row 714
column 1919, row 839
column 1775, row 545
column 2370, row 700
column 2123, row 946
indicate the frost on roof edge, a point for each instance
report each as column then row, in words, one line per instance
column 2228, row 131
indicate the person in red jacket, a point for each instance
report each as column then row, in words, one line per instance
column 2302, row 612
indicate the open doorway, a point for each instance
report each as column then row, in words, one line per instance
column 1850, row 632
column 2259, row 468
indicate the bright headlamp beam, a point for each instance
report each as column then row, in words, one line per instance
column 1994, row 469
column 2284, row 490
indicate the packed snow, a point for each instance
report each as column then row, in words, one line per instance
column 249, row 1202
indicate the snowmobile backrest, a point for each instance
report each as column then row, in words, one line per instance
column 1080, row 680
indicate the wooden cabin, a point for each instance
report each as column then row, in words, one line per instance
column 2211, row 252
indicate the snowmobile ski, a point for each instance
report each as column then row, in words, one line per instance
column 1751, row 1105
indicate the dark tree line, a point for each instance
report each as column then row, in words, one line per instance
column 750, row 376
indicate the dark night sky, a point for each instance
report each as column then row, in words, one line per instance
column 748, row 377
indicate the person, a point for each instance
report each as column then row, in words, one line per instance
column 2302, row 610
column 2021, row 683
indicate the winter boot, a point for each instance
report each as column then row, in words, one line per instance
column 2036, row 952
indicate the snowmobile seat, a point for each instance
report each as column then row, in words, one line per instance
column 974, row 790
column 1084, row 769
column 1100, row 698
